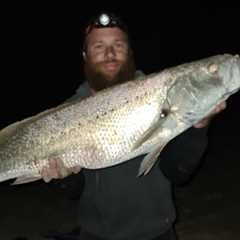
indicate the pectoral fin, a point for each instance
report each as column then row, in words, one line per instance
column 148, row 135
column 150, row 159
column 157, row 127
column 26, row 179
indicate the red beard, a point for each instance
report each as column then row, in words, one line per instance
column 98, row 80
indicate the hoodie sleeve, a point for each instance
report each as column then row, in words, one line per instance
column 182, row 156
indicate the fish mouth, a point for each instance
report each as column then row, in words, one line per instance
column 226, row 95
column 234, row 91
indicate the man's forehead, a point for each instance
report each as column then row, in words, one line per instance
column 111, row 33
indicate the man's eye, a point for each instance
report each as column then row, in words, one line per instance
column 98, row 46
column 120, row 45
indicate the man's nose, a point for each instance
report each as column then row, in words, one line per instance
column 110, row 52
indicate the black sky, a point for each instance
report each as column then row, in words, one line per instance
column 41, row 68
column 42, row 47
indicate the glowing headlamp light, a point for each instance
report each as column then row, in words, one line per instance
column 105, row 20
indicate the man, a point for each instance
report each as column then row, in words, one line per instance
column 115, row 204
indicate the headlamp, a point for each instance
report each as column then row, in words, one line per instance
column 105, row 20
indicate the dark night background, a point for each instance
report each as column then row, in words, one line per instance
column 41, row 68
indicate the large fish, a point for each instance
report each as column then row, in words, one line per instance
column 119, row 123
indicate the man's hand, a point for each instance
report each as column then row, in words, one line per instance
column 205, row 121
column 57, row 170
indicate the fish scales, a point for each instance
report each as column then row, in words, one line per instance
column 96, row 128
column 119, row 123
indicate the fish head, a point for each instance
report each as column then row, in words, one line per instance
column 228, row 70
column 199, row 88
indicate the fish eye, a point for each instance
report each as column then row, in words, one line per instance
column 213, row 68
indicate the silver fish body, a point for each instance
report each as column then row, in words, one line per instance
column 121, row 122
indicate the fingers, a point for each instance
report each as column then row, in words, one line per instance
column 205, row 121
column 46, row 176
column 220, row 107
column 53, row 168
column 75, row 169
column 51, row 171
column 62, row 170
column 57, row 170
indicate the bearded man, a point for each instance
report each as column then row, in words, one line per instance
column 115, row 204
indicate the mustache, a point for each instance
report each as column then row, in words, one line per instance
column 110, row 61
column 98, row 81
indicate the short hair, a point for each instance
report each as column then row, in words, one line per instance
column 104, row 20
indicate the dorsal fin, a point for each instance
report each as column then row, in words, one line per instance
column 11, row 129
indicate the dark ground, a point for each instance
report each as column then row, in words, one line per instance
column 208, row 206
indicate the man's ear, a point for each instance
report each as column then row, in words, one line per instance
column 84, row 55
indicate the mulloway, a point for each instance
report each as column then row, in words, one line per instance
column 119, row 123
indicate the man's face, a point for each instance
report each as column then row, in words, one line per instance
column 107, row 59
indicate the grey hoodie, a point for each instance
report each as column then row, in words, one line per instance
column 116, row 204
